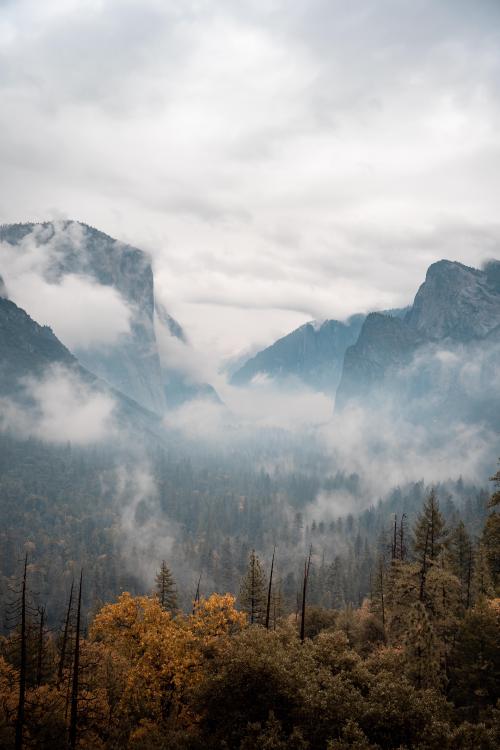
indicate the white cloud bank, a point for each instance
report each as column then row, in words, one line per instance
column 58, row 408
column 82, row 312
column 296, row 158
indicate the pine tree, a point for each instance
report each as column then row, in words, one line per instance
column 482, row 585
column 166, row 589
column 73, row 724
column 430, row 535
column 490, row 542
column 335, row 582
column 460, row 560
column 379, row 585
column 22, row 670
column 253, row 591
column 495, row 498
column 226, row 568
column 422, row 655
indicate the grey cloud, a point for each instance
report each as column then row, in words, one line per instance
column 58, row 408
column 82, row 312
column 336, row 149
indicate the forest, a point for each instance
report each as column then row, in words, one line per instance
column 284, row 638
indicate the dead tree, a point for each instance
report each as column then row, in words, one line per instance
column 39, row 658
column 22, row 667
column 394, row 548
column 76, row 670
column 381, row 582
column 269, row 591
column 196, row 599
column 307, row 566
column 64, row 644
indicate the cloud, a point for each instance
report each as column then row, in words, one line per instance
column 58, row 408
column 293, row 157
column 82, row 312
column 146, row 534
column 248, row 413
column 177, row 354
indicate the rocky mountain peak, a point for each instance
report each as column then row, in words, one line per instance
column 456, row 302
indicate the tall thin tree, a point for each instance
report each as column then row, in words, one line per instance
column 64, row 644
column 307, row 566
column 22, row 667
column 39, row 660
column 269, row 591
column 196, row 599
column 76, row 672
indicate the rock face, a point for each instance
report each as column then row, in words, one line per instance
column 442, row 359
column 455, row 302
column 313, row 354
column 131, row 363
column 384, row 343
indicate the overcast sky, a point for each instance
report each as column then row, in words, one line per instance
column 281, row 159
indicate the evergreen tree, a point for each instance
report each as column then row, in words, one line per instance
column 495, row 498
column 475, row 662
column 460, row 560
column 165, row 588
column 335, row 583
column 421, row 651
column 490, row 543
column 379, row 590
column 430, row 534
column 482, row 585
column 253, row 591
column 226, row 568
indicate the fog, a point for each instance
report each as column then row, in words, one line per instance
column 59, row 407
column 82, row 312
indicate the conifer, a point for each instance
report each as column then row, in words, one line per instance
column 253, row 591
column 165, row 588
column 430, row 535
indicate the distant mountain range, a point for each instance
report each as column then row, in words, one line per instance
column 313, row 354
column 437, row 359
column 440, row 353
column 132, row 364
column 442, row 360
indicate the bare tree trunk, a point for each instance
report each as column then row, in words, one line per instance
column 64, row 644
column 22, row 668
column 76, row 669
column 307, row 565
column 423, row 571
column 382, row 602
column 394, row 538
column 269, row 590
column 469, row 576
column 39, row 661
column 401, row 537
column 197, row 595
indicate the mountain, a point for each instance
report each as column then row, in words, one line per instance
column 132, row 363
column 30, row 352
column 442, row 360
column 456, row 302
column 312, row 354
column 384, row 342
column 26, row 348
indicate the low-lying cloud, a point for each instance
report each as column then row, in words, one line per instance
column 59, row 407
column 82, row 312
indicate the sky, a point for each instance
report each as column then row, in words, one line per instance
column 280, row 160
